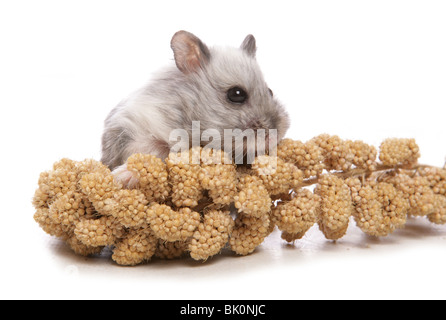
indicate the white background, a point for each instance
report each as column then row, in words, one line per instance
column 361, row 69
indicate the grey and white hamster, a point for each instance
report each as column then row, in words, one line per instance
column 221, row 87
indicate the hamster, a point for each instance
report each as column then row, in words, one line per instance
column 221, row 87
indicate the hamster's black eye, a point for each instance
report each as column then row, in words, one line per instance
column 271, row 92
column 237, row 95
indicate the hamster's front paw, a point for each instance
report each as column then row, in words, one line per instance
column 128, row 179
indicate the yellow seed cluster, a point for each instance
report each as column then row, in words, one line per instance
column 336, row 206
column 295, row 217
column 364, row 155
column 67, row 210
column 253, row 198
column 212, row 235
column 277, row 175
column 394, row 205
column 220, row 181
column 396, row 151
column 417, row 191
column 249, row 232
column 327, row 152
column 135, row 248
column 129, row 207
column 171, row 225
column 99, row 188
column 308, row 156
column 438, row 216
column 379, row 207
column 59, row 188
column 97, row 232
column 335, row 151
column 152, row 176
column 436, row 178
column 197, row 203
column 184, row 178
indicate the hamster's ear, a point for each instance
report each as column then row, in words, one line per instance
column 249, row 45
column 189, row 52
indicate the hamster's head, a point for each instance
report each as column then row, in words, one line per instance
column 227, row 90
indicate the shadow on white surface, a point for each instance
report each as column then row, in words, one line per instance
column 272, row 253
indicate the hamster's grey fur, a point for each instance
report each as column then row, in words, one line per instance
column 194, row 89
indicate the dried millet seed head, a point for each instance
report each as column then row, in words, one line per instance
column 129, row 207
column 336, row 206
column 335, row 151
column 67, row 210
column 81, row 202
column 395, row 205
column 152, row 176
column 396, row 151
column 172, row 225
column 53, row 184
column 308, row 157
column 439, row 213
column 102, row 231
column 417, row 191
column 297, row 216
column 211, row 235
column 364, row 155
column 184, row 178
column 95, row 232
column 137, row 246
column 98, row 187
column 220, row 180
column 48, row 224
column 278, row 176
column 379, row 208
column 249, row 232
column 253, row 198
column 436, row 178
